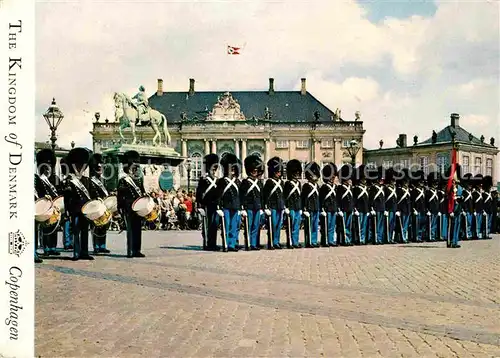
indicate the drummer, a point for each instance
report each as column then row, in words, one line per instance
column 98, row 191
column 131, row 188
column 45, row 187
column 75, row 197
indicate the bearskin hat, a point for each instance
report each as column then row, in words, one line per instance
column 253, row 162
column 209, row 161
column 458, row 173
column 432, row 178
column 477, row 180
column 312, row 171
column 360, row 172
column 329, row 171
column 46, row 156
column 487, row 181
column 371, row 175
column 293, row 168
column 389, row 175
column 230, row 162
column 380, row 173
column 95, row 161
column 78, row 158
column 274, row 165
column 346, row 172
column 131, row 157
column 401, row 176
column 64, row 166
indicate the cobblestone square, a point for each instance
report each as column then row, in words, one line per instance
column 415, row 300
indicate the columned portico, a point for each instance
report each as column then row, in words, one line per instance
column 243, row 149
column 207, row 147
column 237, row 148
column 214, row 146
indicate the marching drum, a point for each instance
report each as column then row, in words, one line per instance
column 97, row 212
column 46, row 213
column 111, row 202
column 146, row 208
column 59, row 203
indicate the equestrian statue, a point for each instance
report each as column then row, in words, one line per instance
column 130, row 113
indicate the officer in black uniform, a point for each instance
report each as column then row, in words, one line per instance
column 310, row 202
column 46, row 183
column 432, row 207
column 98, row 191
column 75, row 196
column 489, row 206
column 329, row 206
column 207, row 201
column 418, row 201
column 403, row 213
column 377, row 205
column 391, row 200
column 467, row 205
column 478, row 202
column 229, row 187
column 361, row 205
column 345, row 201
column 293, row 202
column 131, row 188
column 274, row 204
column 251, row 198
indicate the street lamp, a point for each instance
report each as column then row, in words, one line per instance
column 53, row 117
column 188, row 167
column 353, row 150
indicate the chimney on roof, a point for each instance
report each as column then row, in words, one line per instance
column 159, row 91
column 191, row 86
column 401, row 142
column 271, row 86
column 303, row 90
column 455, row 120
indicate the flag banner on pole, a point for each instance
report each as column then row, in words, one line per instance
column 449, row 186
column 231, row 50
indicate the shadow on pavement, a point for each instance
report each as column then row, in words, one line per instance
column 186, row 247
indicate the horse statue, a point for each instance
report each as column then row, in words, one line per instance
column 126, row 114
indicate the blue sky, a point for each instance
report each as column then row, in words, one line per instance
column 380, row 9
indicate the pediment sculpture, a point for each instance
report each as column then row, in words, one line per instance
column 226, row 109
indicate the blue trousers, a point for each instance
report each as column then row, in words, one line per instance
column 133, row 223
column 99, row 237
column 455, row 232
column 392, row 226
column 468, row 225
column 330, row 229
column 419, row 226
column 431, row 227
column 276, row 223
column 479, row 225
column 489, row 224
column 232, row 226
column 314, row 220
column 254, row 221
column 362, row 227
column 403, row 222
column 346, row 227
column 444, row 226
column 295, row 220
column 80, row 228
column 67, row 239
column 379, row 221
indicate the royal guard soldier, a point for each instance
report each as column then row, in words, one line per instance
column 454, row 200
column 378, row 214
column 207, row 201
column 66, row 223
column 310, row 203
column 431, row 207
column 495, row 205
column 98, row 191
column 467, row 205
column 391, row 200
column 46, row 183
column 418, row 201
column 361, row 206
column 488, row 206
column 329, row 205
column 403, row 206
column 273, row 201
column 345, row 201
column 76, row 195
column 478, row 202
column 251, row 199
column 229, row 187
column 130, row 188
column 293, row 201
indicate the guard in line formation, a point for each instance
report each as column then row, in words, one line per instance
column 80, row 204
column 352, row 206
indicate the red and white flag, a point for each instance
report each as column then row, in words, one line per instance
column 449, row 186
column 231, row 50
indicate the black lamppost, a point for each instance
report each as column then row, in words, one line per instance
column 53, row 117
column 353, row 150
column 188, row 167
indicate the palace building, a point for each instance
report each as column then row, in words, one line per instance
column 475, row 155
column 288, row 124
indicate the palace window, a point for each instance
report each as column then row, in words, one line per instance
column 387, row 164
column 477, row 165
column 303, row 170
column 346, row 143
column 404, row 163
column 442, row 161
column 281, row 144
column 327, row 143
column 424, row 165
column 465, row 164
column 196, row 165
column 303, row 144
column 489, row 167
column 371, row 165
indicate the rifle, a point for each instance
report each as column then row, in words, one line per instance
column 246, row 232
column 223, row 234
column 288, row 231
column 307, row 231
column 269, row 232
column 324, row 231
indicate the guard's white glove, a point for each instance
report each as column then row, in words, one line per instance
column 428, row 213
column 398, row 213
column 47, row 197
column 268, row 212
column 452, row 215
column 341, row 214
column 356, row 212
column 415, row 212
column 287, row 211
column 306, row 214
column 475, row 213
column 439, row 214
column 373, row 213
column 368, row 214
column 484, row 213
column 202, row 212
column 323, row 213
column 386, row 213
column 261, row 212
column 243, row 213
column 300, row 212
column 220, row 213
